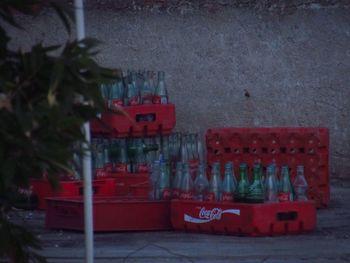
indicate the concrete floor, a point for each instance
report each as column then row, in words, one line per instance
column 330, row 242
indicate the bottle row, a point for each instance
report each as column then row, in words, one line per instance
column 263, row 188
column 136, row 87
column 135, row 155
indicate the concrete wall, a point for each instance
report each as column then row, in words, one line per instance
column 294, row 65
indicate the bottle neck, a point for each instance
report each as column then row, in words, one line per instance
column 243, row 174
column 257, row 174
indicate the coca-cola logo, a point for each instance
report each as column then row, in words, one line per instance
column 208, row 215
column 212, row 214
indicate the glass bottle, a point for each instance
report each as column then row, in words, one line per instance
column 186, row 191
column 271, row 185
column 133, row 95
column 154, row 181
column 243, row 184
column 104, row 90
column 300, row 185
column 215, row 184
column 177, row 181
column 107, row 162
column 114, row 152
column 161, row 93
column 286, row 190
column 184, row 152
column 146, row 91
column 116, row 94
column 164, row 182
column 122, row 163
column 201, row 184
column 228, row 185
column 256, row 189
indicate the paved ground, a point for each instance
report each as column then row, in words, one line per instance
column 330, row 242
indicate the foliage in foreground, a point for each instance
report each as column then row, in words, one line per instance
column 41, row 113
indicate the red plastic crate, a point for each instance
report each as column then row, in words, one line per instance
column 43, row 189
column 127, row 184
column 118, row 125
column 243, row 219
column 291, row 146
column 109, row 214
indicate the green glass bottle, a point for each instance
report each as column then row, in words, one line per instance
column 256, row 189
column 215, row 184
column 243, row 184
column 286, row 190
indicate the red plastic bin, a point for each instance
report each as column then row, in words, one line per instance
column 291, row 146
column 109, row 214
column 142, row 120
column 243, row 219
column 43, row 189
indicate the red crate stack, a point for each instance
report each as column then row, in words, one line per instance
column 128, row 207
column 292, row 146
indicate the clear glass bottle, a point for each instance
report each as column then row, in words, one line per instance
column 122, row 162
column 271, row 185
column 186, row 191
column 116, row 98
column 300, row 185
column 146, row 92
column 154, row 193
column 161, row 93
column 164, row 182
column 256, row 189
column 228, row 185
column 286, row 190
column 215, row 184
column 201, row 184
column 177, row 181
column 133, row 95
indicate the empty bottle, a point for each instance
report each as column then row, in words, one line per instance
column 146, row 92
column 186, row 191
column 177, row 181
column 300, row 185
column 161, row 93
column 243, row 184
column 122, row 163
column 133, row 95
column 286, row 190
column 271, row 185
column 140, row 158
column 256, row 189
column 201, row 184
column 104, row 90
column 164, row 182
column 228, row 185
column 215, row 184
column 154, row 193
column 116, row 94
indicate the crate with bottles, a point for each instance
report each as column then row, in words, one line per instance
column 306, row 146
column 143, row 98
column 259, row 204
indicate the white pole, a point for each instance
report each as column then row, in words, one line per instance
column 88, row 215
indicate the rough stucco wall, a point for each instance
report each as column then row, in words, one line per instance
column 295, row 67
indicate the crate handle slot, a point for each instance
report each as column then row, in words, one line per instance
column 148, row 117
column 287, row 216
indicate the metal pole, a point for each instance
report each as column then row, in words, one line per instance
column 88, row 215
